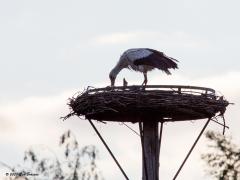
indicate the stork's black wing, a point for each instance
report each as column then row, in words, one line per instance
column 158, row 60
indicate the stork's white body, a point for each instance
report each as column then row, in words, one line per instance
column 128, row 57
column 143, row 60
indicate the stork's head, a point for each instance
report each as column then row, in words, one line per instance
column 112, row 76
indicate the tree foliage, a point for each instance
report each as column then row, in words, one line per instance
column 74, row 164
column 223, row 159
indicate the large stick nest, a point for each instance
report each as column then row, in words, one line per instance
column 157, row 102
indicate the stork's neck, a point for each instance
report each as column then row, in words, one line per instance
column 116, row 70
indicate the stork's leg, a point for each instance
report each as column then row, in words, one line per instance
column 145, row 79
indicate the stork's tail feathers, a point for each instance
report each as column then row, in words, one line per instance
column 165, row 63
column 171, row 58
column 170, row 62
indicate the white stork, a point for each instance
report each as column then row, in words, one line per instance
column 143, row 60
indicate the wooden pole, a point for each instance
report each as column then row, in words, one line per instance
column 151, row 150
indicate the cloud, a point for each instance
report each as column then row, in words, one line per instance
column 169, row 39
column 5, row 124
column 116, row 38
column 32, row 117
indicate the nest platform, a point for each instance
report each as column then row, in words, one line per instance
column 154, row 102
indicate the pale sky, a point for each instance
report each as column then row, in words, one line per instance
column 51, row 49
